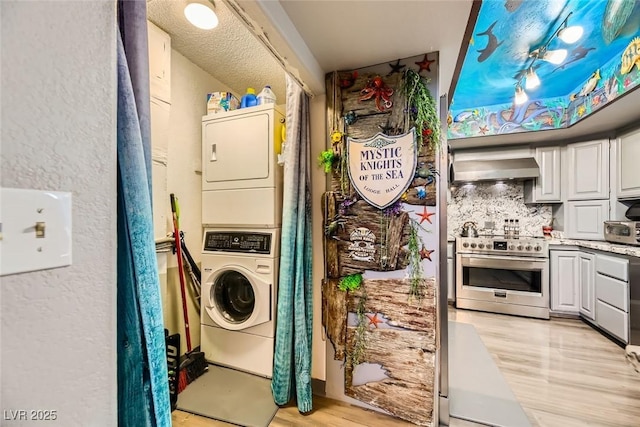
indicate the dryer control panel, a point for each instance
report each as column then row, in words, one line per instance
column 232, row 241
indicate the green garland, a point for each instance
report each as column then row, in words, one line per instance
column 360, row 340
column 351, row 282
column 415, row 263
column 328, row 159
column 420, row 101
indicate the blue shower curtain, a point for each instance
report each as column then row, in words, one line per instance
column 292, row 362
column 143, row 389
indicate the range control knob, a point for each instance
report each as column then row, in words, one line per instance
column 511, row 247
column 527, row 248
column 473, row 245
column 480, row 245
column 465, row 245
column 519, row 247
column 538, row 248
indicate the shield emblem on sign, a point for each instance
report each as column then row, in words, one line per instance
column 382, row 167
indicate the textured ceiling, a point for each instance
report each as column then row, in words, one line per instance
column 229, row 52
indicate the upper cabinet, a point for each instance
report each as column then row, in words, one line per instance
column 628, row 174
column 546, row 188
column 588, row 170
column 159, row 63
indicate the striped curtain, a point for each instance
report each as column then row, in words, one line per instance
column 292, row 362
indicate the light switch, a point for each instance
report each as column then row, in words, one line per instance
column 35, row 230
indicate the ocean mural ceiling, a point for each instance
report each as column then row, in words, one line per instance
column 600, row 66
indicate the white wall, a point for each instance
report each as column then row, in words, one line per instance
column 189, row 87
column 58, row 133
column 318, row 111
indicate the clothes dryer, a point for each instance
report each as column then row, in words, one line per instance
column 239, row 167
column 239, row 291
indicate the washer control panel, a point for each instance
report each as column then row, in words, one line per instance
column 233, row 241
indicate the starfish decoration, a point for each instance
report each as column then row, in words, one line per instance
column 425, row 64
column 426, row 254
column 373, row 320
column 484, row 129
column 396, row 68
column 426, row 216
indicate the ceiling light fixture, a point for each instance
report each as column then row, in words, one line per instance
column 532, row 80
column 201, row 15
column 521, row 96
column 563, row 32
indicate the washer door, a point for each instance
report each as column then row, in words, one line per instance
column 237, row 299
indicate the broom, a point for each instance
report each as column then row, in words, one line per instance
column 193, row 364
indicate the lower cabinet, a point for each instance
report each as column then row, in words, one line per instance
column 595, row 285
column 612, row 295
column 564, row 281
column 587, row 275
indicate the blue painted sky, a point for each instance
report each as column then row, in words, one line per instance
column 521, row 26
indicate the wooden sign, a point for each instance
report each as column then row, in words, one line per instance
column 382, row 167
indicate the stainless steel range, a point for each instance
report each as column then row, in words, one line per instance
column 503, row 275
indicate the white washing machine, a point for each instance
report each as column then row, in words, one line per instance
column 240, row 167
column 239, row 292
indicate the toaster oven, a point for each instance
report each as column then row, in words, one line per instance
column 626, row 232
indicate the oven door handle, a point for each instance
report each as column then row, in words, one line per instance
column 512, row 263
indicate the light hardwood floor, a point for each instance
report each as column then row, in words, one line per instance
column 563, row 373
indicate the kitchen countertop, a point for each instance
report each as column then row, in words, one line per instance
column 598, row 245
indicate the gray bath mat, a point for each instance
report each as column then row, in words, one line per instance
column 477, row 390
column 228, row 395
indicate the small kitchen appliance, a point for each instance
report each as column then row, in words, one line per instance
column 626, row 232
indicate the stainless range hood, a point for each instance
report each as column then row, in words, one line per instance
column 494, row 170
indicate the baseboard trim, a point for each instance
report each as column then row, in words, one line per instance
column 318, row 387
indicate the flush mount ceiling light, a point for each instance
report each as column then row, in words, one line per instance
column 563, row 32
column 201, row 15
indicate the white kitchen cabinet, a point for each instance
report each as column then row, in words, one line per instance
column 451, row 272
column 628, row 174
column 547, row 188
column 585, row 219
column 587, row 273
column 588, row 170
column 564, row 281
column 159, row 63
column 612, row 295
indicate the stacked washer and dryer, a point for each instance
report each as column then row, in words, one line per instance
column 241, row 216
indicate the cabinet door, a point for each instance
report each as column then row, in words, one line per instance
column 159, row 63
column 565, row 281
column 627, row 162
column 588, row 176
column 548, row 185
column 587, row 273
column 585, row 220
column 451, row 279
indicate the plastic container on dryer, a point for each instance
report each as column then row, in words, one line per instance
column 249, row 99
column 266, row 96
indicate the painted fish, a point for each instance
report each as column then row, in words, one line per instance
column 576, row 55
column 461, row 117
column 512, row 5
column 615, row 16
column 591, row 84
column 492, row 44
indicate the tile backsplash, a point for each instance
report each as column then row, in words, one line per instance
column 490, row 201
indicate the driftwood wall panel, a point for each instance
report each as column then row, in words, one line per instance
column 334, row 315
column 386, row 338
column 406, row 351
